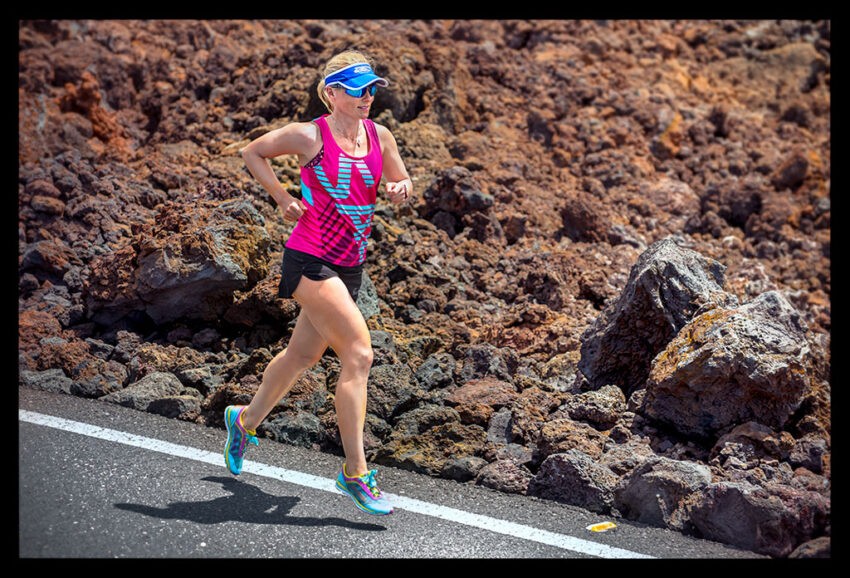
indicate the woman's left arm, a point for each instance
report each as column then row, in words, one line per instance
column 399, row 186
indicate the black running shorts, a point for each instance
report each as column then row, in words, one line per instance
column 297, row 263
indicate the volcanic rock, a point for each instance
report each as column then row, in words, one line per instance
column 575, row 478
column 655, row 491
column 771, row 520
column 586, row 193
column 666, row 287
column 158, row 392
column 729, row 366
column 182, row 267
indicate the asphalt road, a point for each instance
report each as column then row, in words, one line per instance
column 97, row 480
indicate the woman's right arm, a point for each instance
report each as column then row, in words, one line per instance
column 295, row 138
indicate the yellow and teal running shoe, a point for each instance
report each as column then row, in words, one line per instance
column 238, row 438
column 364, row 491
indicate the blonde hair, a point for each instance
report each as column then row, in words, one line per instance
column 338, row 62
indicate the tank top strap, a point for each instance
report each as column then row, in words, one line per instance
column 373, row 137
column 328, row 143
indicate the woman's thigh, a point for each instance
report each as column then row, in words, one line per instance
column 333, row 314
column 306, row 343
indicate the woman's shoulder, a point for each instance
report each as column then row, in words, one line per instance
column 308, row 130
column 383, row 132
column 301, row 136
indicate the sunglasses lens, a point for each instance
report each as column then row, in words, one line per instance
column 361, row 92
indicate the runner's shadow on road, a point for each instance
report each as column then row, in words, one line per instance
column 246, row 504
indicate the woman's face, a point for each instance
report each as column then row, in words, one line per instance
column 344, row 103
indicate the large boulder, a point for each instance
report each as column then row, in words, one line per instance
column 773, row 519
column 731, row 366
column 665, row 288
column 186, row 265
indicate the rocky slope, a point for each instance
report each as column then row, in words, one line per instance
column 613, row 288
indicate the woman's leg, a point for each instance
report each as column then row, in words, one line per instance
column 304, row 350
column 335, row 316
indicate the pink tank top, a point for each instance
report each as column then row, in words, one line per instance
column 339, row 191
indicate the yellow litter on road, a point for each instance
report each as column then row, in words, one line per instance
column 602, row 527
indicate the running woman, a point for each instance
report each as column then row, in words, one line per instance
column 343, row 157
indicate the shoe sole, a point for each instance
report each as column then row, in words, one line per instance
column 342, row 490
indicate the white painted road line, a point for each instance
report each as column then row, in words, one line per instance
column 317, row 483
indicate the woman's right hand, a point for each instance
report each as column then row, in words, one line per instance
column 293, row 209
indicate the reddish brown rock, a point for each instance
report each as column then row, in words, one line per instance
column 478, row 399
column 563, row 434
column 85, row 98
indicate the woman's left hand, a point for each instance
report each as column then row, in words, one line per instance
column 399, row 192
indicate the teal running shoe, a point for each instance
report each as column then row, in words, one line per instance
column 364, row 491
column 238, row 438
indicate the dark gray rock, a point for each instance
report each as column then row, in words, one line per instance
column 205, row 378
column 367, row 298
column 624, row 458
column 455, row 192
column 127, row 344
column 499, row 430
column 730, row 366
column 809, row 452
column 158, row 392
column 49, row 259
column 817, row 548
column 99, row 348
column 174, row 406
column 523, row 455
column 463, row 469
column 665, row 288
column 484, row 359
column 48, row 380
column 575, row 478
column 205, row 337
column 299, row 429
column 383, row 347
column 425, row 438
column 655, row 490
column 437, row 371
column 94, row 377
column 752, row 440
column 190, row 274
column 773, row 519
column 392, row 390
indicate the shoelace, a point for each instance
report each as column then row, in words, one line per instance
column 373, row 483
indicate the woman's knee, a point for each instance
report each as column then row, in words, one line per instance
column 358, row 356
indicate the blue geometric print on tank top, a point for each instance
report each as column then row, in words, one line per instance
column 306, row 194
column 360, row 225
column 341, row 190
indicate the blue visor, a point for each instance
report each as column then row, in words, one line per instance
column 355, row 76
